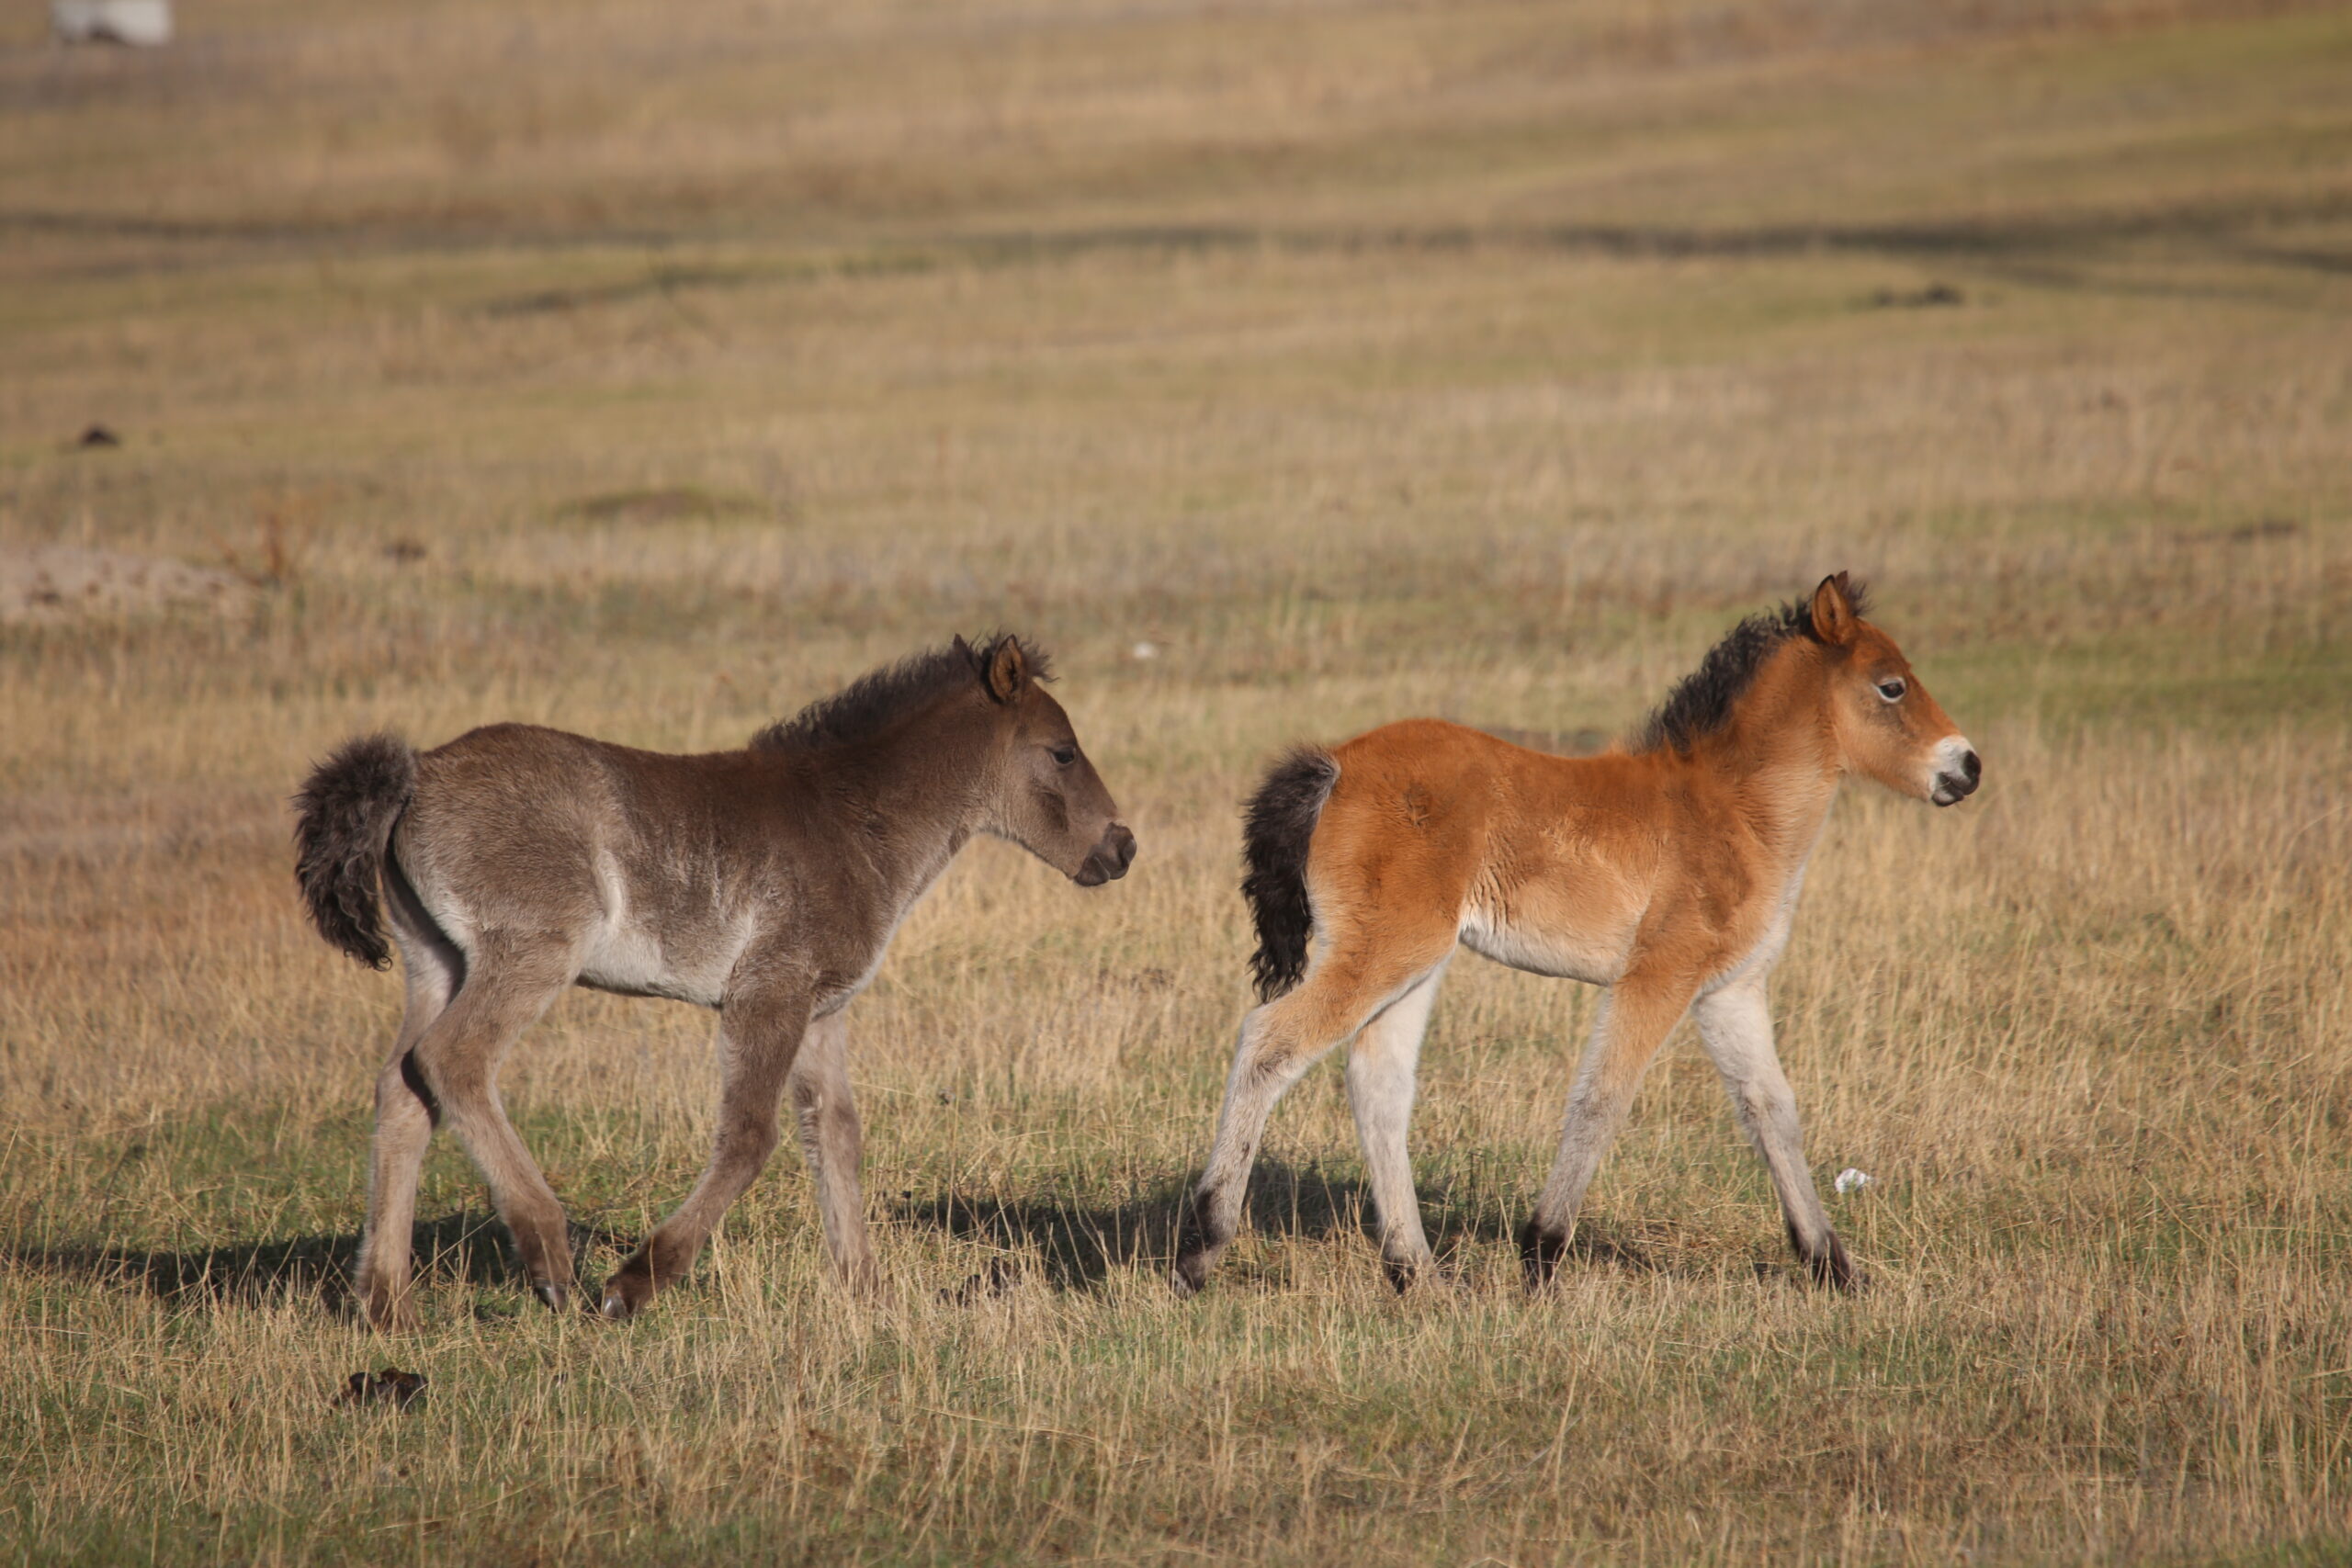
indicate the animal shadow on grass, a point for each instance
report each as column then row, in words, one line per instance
column 462, row 1247
column 1078, row 1245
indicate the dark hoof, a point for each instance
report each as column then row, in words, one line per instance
column 389, row 1314
column 1402, row 1276
column 1191, row 1273
column 1837, row 1273
column 1197, row 1249
column 553, row 1296
column 624, row 1296
column 1539, row 1253
column 1832, row 1270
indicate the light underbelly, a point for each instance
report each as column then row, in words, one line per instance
column 633, row 963
column 689, row 960
column 1597, row 956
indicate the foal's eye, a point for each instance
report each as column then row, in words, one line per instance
column 1893, row 690
column 1065, row 755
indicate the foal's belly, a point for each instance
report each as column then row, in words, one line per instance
column 656, row 948
column 1593, row 954
column 630, row 962
column 1576, row 923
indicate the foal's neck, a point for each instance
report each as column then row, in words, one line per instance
column 1779, row 756
column 916, row 791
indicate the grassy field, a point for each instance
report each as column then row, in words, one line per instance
column 650, row 375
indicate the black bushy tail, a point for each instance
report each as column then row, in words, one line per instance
column 347, row 807
column 1275, row 831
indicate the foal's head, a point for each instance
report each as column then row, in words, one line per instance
column 1887, row 724
column 1045, row 795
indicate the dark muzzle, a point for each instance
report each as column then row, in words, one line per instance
column 1953, row 788
column 1110, row 859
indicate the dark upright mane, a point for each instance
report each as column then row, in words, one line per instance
column 873, row 701
column 1702, row 702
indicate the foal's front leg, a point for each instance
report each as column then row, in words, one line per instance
column 1636, row 1016
column 1735, row 1023
column 830, row 1140
column 759, row 1033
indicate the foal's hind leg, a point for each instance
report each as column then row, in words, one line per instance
column 1279, row 1042
column 759, row 1034
column 1638, row 1015
column 406, row 1114
column 1736, row 1025
column 831, row 1141
column 508, row 985
column 1381, row 1069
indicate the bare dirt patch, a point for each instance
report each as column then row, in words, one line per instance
column 669, row 503
column 54, row 583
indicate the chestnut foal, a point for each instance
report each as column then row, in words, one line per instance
column 765, row 882
column 1669, row 874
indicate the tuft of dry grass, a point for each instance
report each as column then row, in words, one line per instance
column 646, row 377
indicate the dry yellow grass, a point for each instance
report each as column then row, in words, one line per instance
column 580, row 365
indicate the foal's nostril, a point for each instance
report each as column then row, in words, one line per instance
column 1110, row 858
column 1956, row 776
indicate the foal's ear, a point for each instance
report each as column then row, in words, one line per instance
column 1833, row 611
column 1008, row 669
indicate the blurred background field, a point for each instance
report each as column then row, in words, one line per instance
column 649, row 372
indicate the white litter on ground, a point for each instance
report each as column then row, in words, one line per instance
column 1849, row 1180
